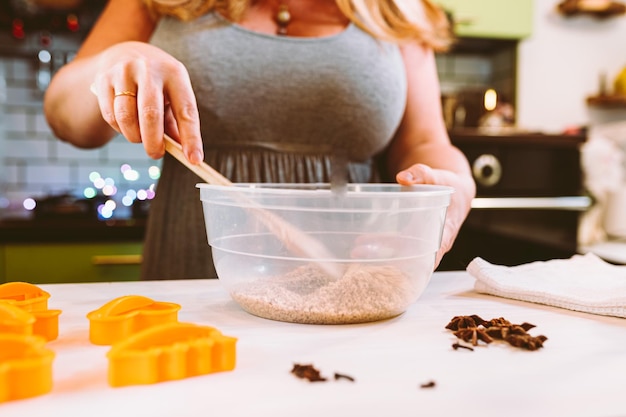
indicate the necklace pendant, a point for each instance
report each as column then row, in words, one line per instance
column 283, row 17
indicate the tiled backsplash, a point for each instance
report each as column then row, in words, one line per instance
column 34, row 163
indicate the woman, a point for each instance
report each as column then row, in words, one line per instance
column 264, row 91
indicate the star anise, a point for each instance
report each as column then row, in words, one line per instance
column 465, row 322
column 502, row 332
column 502, row 322
column 498, row 322
column 473, row 329
column 526, row 341
column 473, row 335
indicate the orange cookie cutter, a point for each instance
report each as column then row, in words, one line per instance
column 14, row 320
column 170, row 351
column 25, row 366
column 126, row 315
column 34, row 300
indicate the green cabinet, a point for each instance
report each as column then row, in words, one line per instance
column 502, row 19
column 42, row 263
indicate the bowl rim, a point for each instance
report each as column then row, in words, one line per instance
column 351, row 189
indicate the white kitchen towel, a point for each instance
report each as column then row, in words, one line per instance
column 582, row 283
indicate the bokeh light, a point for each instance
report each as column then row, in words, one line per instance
column 99, row 183
column 93, row 176
column 154, row 172
column 89, row 192
column 123, row 194
column 109, row 190
column 131, row 175
column 142, row 195
column 29, row 204
column 44, row 56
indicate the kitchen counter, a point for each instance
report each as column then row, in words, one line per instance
column 70, row 230
column 579, row 371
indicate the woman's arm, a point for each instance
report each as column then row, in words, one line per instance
column 422, row 152
column 82, row 103
column 71, row 109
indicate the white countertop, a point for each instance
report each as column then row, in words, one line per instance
column 580, row 371
column 611, row 250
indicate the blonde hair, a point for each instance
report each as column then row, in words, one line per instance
column 391, row 20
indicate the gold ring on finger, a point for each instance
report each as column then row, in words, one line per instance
column 126, row 93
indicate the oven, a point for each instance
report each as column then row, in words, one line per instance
column 529, row 198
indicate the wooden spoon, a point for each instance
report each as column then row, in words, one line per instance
column 296, row 240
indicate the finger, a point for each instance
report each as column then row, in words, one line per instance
column 125, row 112
column 438, row 259
column 447, row 241
column 185, row 111
column 125, row 88
column 170, row 124
column 104, row 93
column 417, row 174
column 150, row 107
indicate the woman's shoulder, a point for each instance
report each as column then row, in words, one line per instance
column 211, row 19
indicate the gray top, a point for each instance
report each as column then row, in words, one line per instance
column 272, row 109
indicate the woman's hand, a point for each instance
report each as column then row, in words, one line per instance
column 143, row 93
column 460, row 203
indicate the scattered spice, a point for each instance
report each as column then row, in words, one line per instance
column 313, row 375
column 307, row 372
column 472, row 329
column 500, row 321
column 526, row 341
column 429, row 384
column 464, row 322
column 473, row 335
column 456, row 346
column 343, row 376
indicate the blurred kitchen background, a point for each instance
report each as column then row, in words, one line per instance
column 531, row 93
